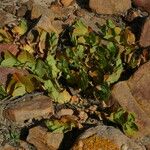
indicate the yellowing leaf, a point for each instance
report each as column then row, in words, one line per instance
column 27, row 59
column 21, row 29
column 28, row 48
column 117, row 30
column 42, row 41
column 26, row 81
column 9, row 60
column 63, row 97
column 130, row 38
column 79, row 29
column 19, row 90
column 61, row 126
column 5, row 36
column 20, row 84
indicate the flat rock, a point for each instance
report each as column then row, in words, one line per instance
column 105, row 138
column 6, row 18
column 50, row 26
column 37, row 107
column 110, row 6
column 134, row 96
column 50, row 19
column 44, row 140
column 43, row 2
column 145, row 34
column 7, row 147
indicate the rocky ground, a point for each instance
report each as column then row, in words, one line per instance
column 35, row 120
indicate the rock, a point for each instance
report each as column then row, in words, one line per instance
column 12, row 48
column 38, row 11
column 6, row 18
column 50, row 26
column 90, row 19
column 144, row 4
column 5, row 3
column 22, row 11
column 66, row 2
column 139, row 85
column 134, row 96
column 105, row 138
column 48, row 20
column 10, row 9
column 44, row 140
column 146, row 142
column 7, row 147
column 145, row 34
column 43, row 2
column 24, row 145
column 65, row 112
column 36, row 107
column 24, row 7
column 110, row 6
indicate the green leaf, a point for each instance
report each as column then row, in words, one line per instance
column 118, row 69
column 84, row 80
column 92, row 39
column 40, row 68
column 103, row 91
column 110, row 24
column 9, row 60
column 53, row 66
column 119, row 117
column 125, row 120
column 53, row 42
column 2, row 92
column 53, row 92
column 79, row 51
column 112, row 49
column 130, row 129
column 60, row 126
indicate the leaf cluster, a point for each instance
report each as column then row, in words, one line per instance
column 126, row 120
column 81, row 58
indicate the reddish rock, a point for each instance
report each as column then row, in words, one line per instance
column 139, row 85
column 134, row 96
column 36, row 107
column 144, row 4
column 145, row 34
column 44, row 140
column 12, row 48
column 110, row 6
